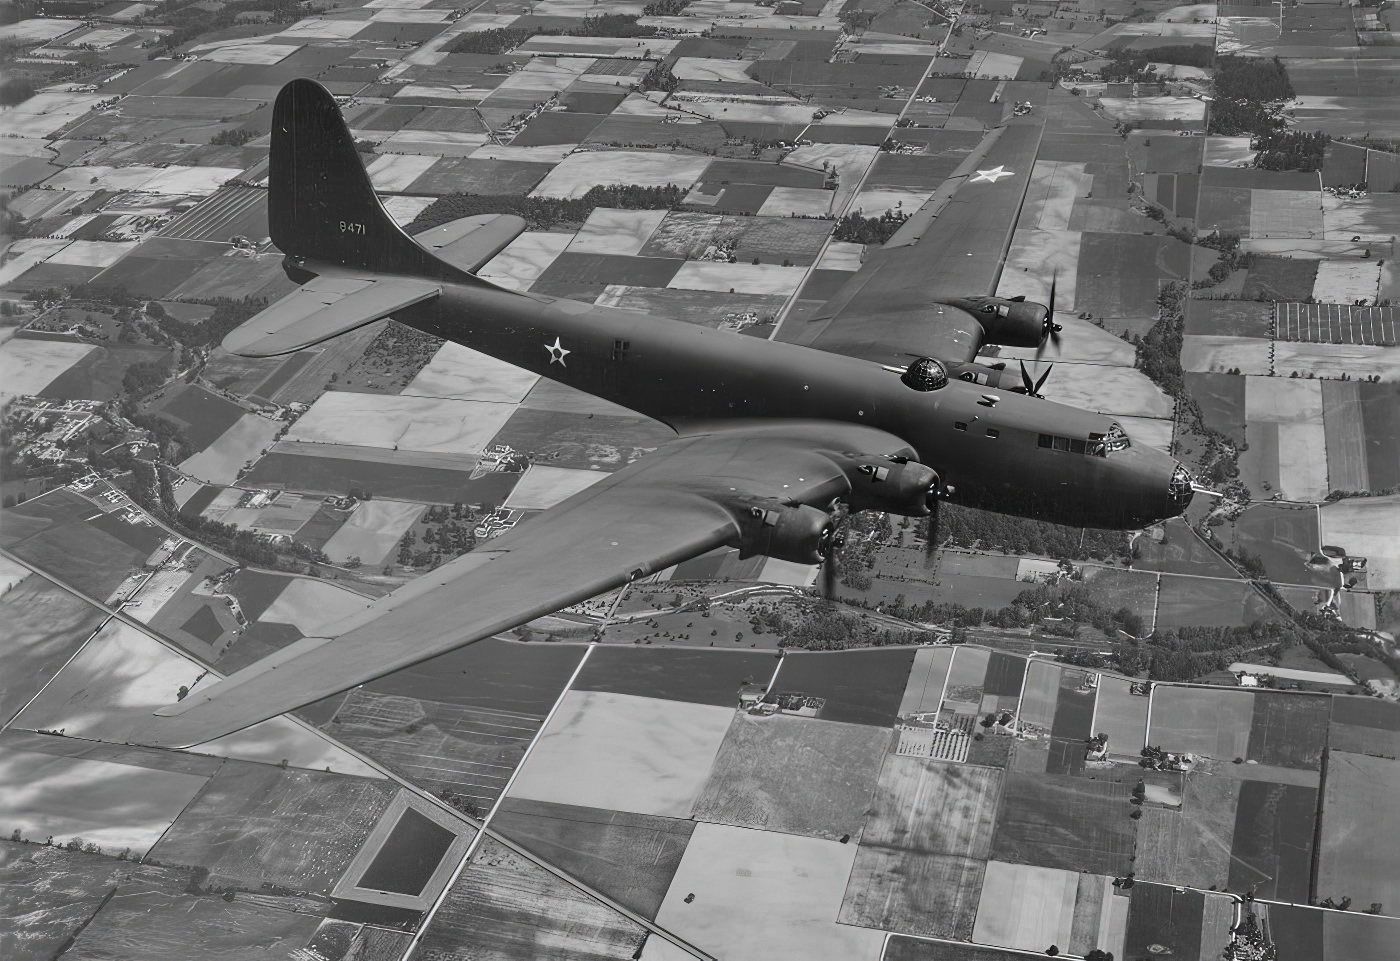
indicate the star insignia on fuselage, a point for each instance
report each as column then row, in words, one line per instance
column 557, row 352
column 993, row 175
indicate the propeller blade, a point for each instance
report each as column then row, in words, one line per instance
column 1026, row 379
column 931, row 534
column 828, row 576
column 1043, row 378
column 1052, row 329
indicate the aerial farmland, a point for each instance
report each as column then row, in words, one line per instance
column 994, row 740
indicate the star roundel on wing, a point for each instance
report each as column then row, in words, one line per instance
column 557, row 352
column 993, row 175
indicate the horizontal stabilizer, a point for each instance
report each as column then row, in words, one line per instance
column 470, row 242
column 328, row 305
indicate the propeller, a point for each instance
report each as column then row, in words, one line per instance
column 1032, row 387
column 1051, row 329
column 931, row 532
column 835, row 540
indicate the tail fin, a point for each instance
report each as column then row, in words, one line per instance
column 321, row 205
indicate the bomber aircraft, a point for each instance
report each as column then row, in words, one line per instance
column 880, row 404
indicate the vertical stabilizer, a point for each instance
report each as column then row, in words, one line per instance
column 321, row 205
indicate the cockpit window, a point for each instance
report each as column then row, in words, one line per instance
column 1116, row 439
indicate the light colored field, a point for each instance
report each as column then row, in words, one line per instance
column 875, row 201
column 840, row 255
column 396, row 4
column 155, row 593
column 781, row 112
column 1081, row 341
column 738, row 278
column 543, row 154
column 1054, row 188
column 1120, row 715
column 544, row 75
column 28, row 366
column 28, row 31
column 410, row 16
column 134, row 177
column 963, row 693
column 995, row 66
column 405, row 209
column 1175, row 71
column 923, row 692
column 934, row 807
column 96, row 39
column 1025, row 907
column 92, row 253
column 316, row 28
column 1154, row 108
column 394, row 172
column 797, row 201
column 263, row 54
column 23, row 254
column 46, row 113
column 1360, row 840
column 1285, row 213
column 1041, row 693
column 609, row 231
column 435, row 143
column 1035, row 259
column 311, row 605
column 794, row 775
column 1375, row 218
column 115, row 806
column 1347, row 281
column 1283, row 400
column 1191, row 845
column 542, row 487
column 460, row 373
column 1303, row 461
column 598, row 47
column 281, row 738
column 1109, row 390
column 581, row 172
column 777, row 571
column 190, row 180
column 220, row 462
column 41, row 203
column 757, row 889
column 372, row 532
column 850, row 161
column 443, row 91
column 1215, row 723
column 625, row 753
column 1366, row 527
column 11, row 574
column 1357, row 361
column 287, row 514
column 857, row 118
column 112, row 685
column 397, row 422
column 1149, row 431
column 1212, row 353
column 913, row 893
column 524, row 259
column 705, row 68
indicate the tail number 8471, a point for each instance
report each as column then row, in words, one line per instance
column 346, row 227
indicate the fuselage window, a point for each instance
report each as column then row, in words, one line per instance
column 1046, row 441
column 1062, row 443
column 993, row 432
column 1076, row 446
column 959, row 425
column 1094, row 445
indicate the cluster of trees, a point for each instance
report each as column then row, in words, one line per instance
column 1190, row 652
column 505, row 39
column 1075, row 603
column 448, row 534
column 855, row 229
column 854, row 20
column 228, row 314
column 1159, row 353
column 541, row 213
column 661, row 78
column 1232, row 258
column 826, row 627
column 493, row 42
column 236, row 137
column 665, row 8
column 968, row 527
column 144, row 377
column 1248, row 91
column 194, row 19
column 1134, row 64
column 1291, row 150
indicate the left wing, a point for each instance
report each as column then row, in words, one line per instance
column 697, row 493
column 954, row 246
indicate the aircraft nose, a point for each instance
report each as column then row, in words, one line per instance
column 1180, row 489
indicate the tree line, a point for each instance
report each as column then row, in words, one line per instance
column 542, row 213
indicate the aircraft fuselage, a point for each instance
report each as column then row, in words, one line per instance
column 992, row 448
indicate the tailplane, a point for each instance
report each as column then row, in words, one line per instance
column 322, row 208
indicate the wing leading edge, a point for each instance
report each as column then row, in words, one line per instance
column 954, row 246
column 678, row 503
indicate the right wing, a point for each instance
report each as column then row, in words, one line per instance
column 954, row 246
column 697, row 493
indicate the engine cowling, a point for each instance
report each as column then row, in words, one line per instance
column 895, row 486
column 1010, row 323
column 801, row 534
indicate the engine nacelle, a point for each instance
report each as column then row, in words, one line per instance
column 1010, row 323
column 896, row 486
column 801, row 534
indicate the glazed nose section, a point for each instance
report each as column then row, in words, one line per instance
column 1180, row 489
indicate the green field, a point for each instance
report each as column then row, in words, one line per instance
column 1063, row 821
column 44, row 626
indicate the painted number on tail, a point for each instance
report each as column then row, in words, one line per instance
column 346, row 227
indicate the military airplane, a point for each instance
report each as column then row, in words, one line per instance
column 880, row 404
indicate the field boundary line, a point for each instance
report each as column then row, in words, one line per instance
column 485, row 831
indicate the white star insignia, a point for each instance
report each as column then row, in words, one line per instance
column 557, row 352
column 993, row 175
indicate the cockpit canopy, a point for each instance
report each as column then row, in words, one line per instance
column 925, row 374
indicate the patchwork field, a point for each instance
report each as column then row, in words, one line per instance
column 1359, row 837
column 794, row 775
column 44, row 626
column 1215, row 723
column 1191, row 845
column 1067, row 822
column 400, row 422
